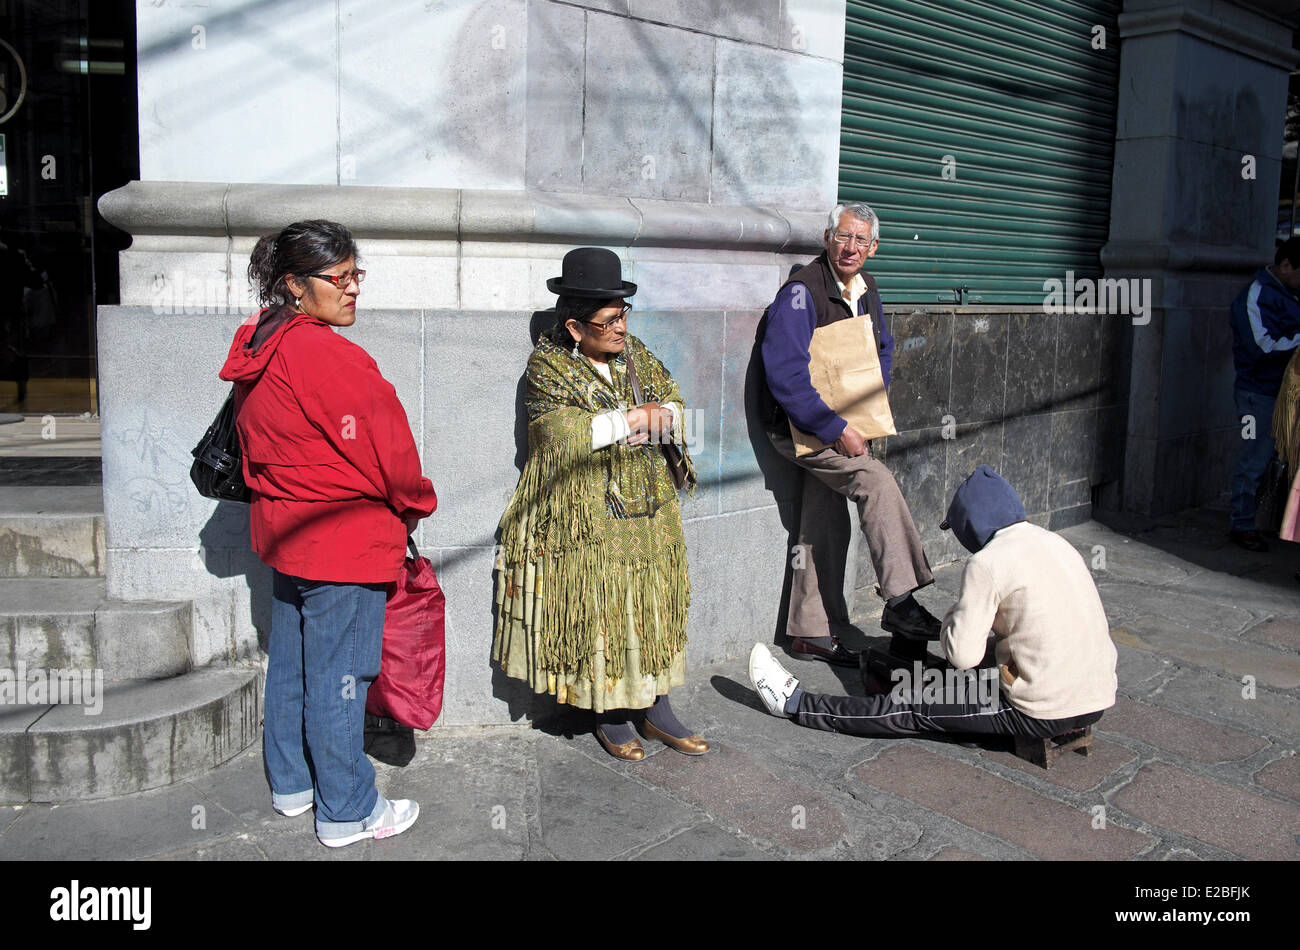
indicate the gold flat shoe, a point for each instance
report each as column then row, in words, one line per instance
column 631, row 751
column 693, row 745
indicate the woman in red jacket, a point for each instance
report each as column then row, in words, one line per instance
column 336, row 487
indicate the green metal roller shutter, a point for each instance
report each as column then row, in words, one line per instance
column 1016, row 93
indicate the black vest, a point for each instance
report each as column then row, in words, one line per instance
column 829, row 307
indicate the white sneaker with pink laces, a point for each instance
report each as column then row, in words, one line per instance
column 396, row 817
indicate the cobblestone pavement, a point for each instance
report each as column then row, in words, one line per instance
column 1197, row 760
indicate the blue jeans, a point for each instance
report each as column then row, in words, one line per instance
column 326, row 640
column 1256, row 454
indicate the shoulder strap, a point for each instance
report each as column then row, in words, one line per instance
column 873, row 309
column 873, row 298
column 631, row 378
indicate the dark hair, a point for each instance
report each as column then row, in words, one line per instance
column 304, row 247
column 1288, row 250
column 581, row 309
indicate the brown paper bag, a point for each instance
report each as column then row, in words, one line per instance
column 845, row 370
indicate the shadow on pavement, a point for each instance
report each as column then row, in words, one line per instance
column 1200, row 536
column 389, row 741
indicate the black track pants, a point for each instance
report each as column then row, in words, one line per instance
column 884, row 716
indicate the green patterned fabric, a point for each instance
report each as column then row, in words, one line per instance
column 592, row 584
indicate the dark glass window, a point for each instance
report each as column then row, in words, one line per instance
column 68, row 118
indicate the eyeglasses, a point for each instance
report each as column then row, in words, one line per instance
column 853, row 240
column 342, row 280
column 604, row 327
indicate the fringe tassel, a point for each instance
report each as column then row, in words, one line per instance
column 586, row 593
column 595, row 579
column 549, row 509
column 1285, row 417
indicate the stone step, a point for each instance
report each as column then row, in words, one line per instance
column 128, row 737
column 69, row 623
column 51, row 531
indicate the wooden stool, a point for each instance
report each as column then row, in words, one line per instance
column 1045, row 752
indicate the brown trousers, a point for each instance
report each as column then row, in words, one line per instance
column 817, row 585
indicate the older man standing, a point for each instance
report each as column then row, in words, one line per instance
column 805, row 339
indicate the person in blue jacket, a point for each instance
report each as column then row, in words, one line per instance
column 833, row 288
column 1265, row 331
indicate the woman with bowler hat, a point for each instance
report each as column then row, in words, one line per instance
column 592, row 588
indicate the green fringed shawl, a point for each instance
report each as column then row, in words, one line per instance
column 574, row 515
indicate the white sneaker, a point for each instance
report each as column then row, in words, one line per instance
column 772, row 681
column 397, row 816
column 293, row 812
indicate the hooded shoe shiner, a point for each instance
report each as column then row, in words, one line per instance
column 1056, row 661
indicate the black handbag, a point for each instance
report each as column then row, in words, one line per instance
column 218, row 469
column 677, row 468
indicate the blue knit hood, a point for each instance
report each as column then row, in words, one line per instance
column 983, row 504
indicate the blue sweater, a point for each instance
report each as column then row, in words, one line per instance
column 785, row 362
column 1265, row 330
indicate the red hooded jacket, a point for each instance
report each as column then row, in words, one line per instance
column 328, row 454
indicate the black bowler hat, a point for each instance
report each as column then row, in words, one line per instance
column 593, row 272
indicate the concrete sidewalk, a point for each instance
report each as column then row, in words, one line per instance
column 1197, row 760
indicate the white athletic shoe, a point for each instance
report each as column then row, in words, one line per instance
column 294, row 812
column 773, row 682
column 397, row 816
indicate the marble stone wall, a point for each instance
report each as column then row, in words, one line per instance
column 713, row 101
column 1040, row 397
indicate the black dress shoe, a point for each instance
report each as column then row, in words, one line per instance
column 1251, row 540
column 802, row 648
column 912, row 621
